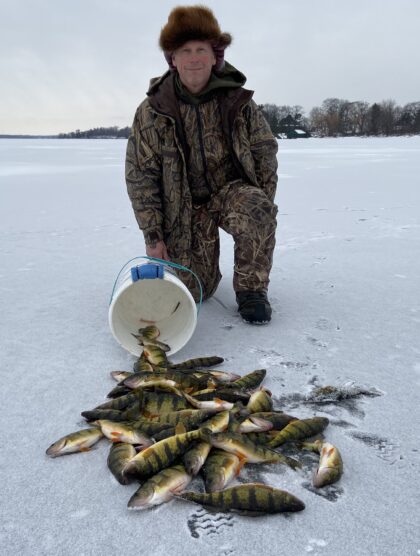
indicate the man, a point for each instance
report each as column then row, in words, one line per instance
column 201, row 156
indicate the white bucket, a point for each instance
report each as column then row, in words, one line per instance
column 151, row 294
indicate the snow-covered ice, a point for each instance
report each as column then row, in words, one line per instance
column 346, row 297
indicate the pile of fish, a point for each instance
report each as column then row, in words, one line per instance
column 169, row 422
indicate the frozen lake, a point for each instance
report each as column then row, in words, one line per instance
column 345, row 295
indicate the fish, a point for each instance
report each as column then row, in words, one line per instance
column 249, row 381
column 250, row 499
column 260, row 437
column 142, row 365
column 277, row 418
column 188, row 417
column 155, row 356
column 79, row 441
column 150, row 381
column 205, row 394
column 222, row 393
column 195, row 457
column 146, row 342
column 130, row 413
column 330, row 467
column 260, row 400
column 224, row 376
column 118, row 457
column 124, row 432
column 156, row 403
column 150, row 428
column 143, row 341
column 191, row 381
column 216, row 404
column 299, row 430
column 149, row 332
column 162, row 454
column 109, row 414
column 120, row 375
column 122, row 402
column 220, row 468
column 240, row 445
column 160, row 488
column 118, row 391
column 198, row 362
column 217, row 423
column 182, row 380
column 254, row 424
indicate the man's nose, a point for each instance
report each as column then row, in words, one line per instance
column 194, row 58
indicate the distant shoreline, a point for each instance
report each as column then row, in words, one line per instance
column 109, row 137
column 53, row 137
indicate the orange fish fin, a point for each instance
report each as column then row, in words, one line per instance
column 85, row 449
column 242, row 462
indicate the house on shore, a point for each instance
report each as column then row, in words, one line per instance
column 297, row 134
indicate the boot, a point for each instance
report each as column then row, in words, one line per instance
column 254, row 307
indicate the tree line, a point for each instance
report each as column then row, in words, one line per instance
column 334, row 118
column 338, row 117
column 97, row 133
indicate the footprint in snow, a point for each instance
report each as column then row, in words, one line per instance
column 316, row 342
column 202, row 523
column 385, row 449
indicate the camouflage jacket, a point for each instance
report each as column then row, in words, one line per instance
column 156, row 161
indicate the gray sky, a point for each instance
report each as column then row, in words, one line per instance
column 87, row 63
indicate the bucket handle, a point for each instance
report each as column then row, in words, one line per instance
column 164, row 263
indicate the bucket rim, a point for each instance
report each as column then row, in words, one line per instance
column 163, row 263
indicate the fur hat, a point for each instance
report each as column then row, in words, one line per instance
column 193, row 23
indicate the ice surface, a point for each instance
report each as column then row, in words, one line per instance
column 345, row 295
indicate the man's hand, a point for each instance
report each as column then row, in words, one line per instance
column 157, row 250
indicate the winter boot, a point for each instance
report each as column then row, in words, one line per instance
column 254, row 307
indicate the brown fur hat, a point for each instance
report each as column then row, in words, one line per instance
column 192, row 23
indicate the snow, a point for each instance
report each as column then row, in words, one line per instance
column 345, row 295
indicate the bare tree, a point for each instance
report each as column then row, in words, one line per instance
column 389, row 116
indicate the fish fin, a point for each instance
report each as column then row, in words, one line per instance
column 248, row 513
column 180, row 428
column 242, row 462
column 85, row 449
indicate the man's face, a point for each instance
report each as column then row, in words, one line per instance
column 194, row 61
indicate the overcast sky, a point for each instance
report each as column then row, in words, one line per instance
column 87, row 63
